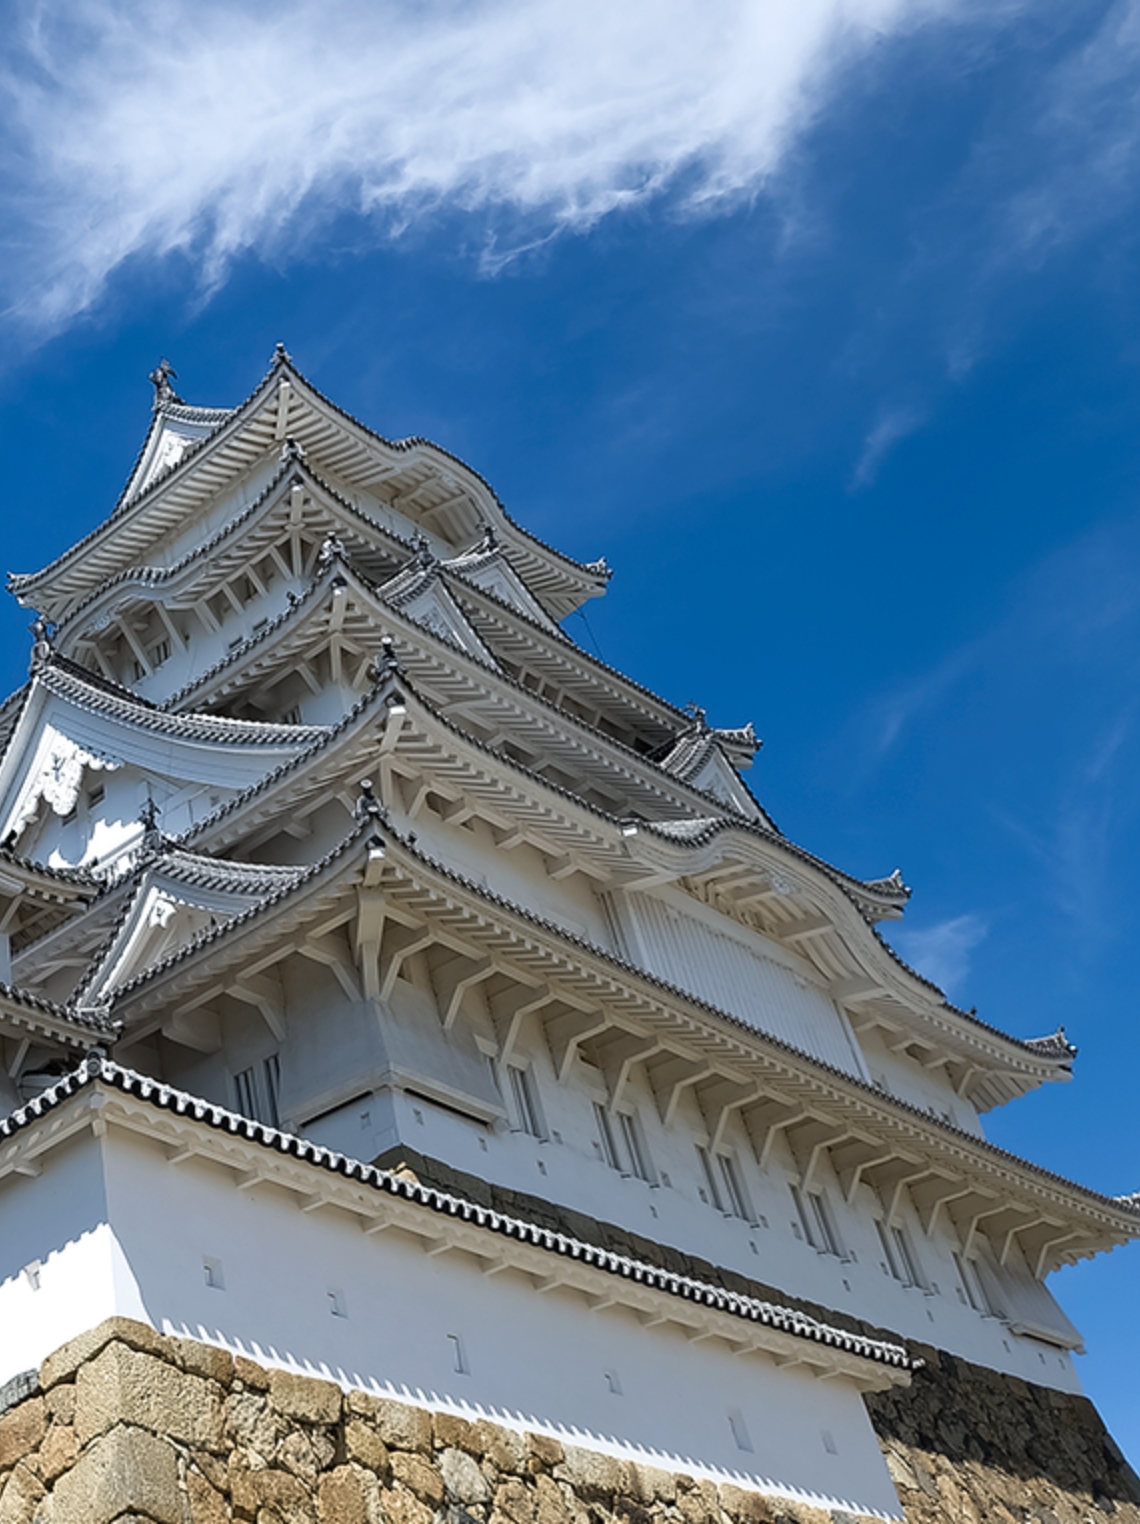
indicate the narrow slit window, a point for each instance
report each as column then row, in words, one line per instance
column 712, row 1184
column 606, row 1135
column 636, row 1150
column 525, row 1098
column 735, row 1191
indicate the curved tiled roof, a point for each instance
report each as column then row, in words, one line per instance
column 883, row 1101
column 750, row 1309
column 91, row 1021
column 79, row 686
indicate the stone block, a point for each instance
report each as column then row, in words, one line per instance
column 349, row 1495
column 127, row 1469
column 21, row 1430
column 464, row 1482
column 296, row 1454
column 745, row 1507
column 124, row 1385
column 306, row 1399
column 514, row 1503
column 543, row 1451
column 400, row 1507
column 205, row 1360
column 419, row 1476
column 593, row 1475
column 58, row 1453
column 20, row 1495
column 65, row 1362
column 453, row 1432
column 557, row 1505
column 207, row 1504
column 250, row 1374
column 504, row 1448
column 363, row 1444
column 267, row 1488
column 61, row 1402
column 652, row 1485
column 399, row 1425
column 249, row 1420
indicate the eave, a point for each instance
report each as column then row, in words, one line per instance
column 101, row 1095
column 586, row 998
column 455, row 500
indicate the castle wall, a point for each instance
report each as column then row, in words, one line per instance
column 125, row 1424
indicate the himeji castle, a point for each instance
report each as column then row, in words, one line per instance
column 397, row 996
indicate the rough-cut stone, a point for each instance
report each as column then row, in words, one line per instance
column 21, row 1430
column 250, row 1374
column 349, row 1495
column 453, row 1432
column 249, row 1420
column 205, row 1360
column 593, row 1475
column 125, row 1469
column 58, row 1452
column 464, row 1482
column 207, row 1504
column 400, row 1426
column 123, row 1385
column 514, row 1503
column 746, row 1507
column 400, row 1507
column 304, row 1398
column 504, row 1448
column 268, row 1488
column 544, row 1451
column 60, row 1402
column 20, row 1496
column 63, row 1364
column 363, row 1444
column 419, row 1476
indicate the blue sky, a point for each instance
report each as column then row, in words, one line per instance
column 818, row 319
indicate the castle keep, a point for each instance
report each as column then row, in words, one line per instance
column 432, row 1086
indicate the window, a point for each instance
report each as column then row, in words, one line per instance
column 901, row 1259
column 606, row 1136
column 257, row 1091
column 725, row 1184
column 292, row 716
column 525, row 1097
column 635, row 1148
column 159, row 652
column 95, row 796
column 816, row 1221
column 973, row 1287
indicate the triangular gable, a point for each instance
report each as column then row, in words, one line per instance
column 716, row 776
column 78, row 748
column 176, row 900
column 494, row 574
column 172, row 432
column 433, row 607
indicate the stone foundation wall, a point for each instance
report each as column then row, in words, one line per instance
column 125, row 1424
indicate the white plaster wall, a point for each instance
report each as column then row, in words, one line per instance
column 543, row 1359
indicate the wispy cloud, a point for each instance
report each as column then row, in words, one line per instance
column 891, row 425
column 942, row 952
column 137, row 130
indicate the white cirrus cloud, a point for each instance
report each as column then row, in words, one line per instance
column 941, row 953
column 143, row 129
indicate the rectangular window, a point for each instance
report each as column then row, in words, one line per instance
column 711, row 1182
column 635, row 1148
column 292, row 716
column 973, row 1286
column 257, row 1090
column 734, row 1188
column 606, row 1135
column 816, row 1221
column 159, row 652
column 525, row 1098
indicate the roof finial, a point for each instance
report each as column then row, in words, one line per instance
column 292, row 449
column 489, row 540
column 387, row 664
column 332, row 549
column 424, row 556
column 160, row 378
column 42, row 648
column 281, row 355
column 700, row 716
column 369, row 809
column 149, row 816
